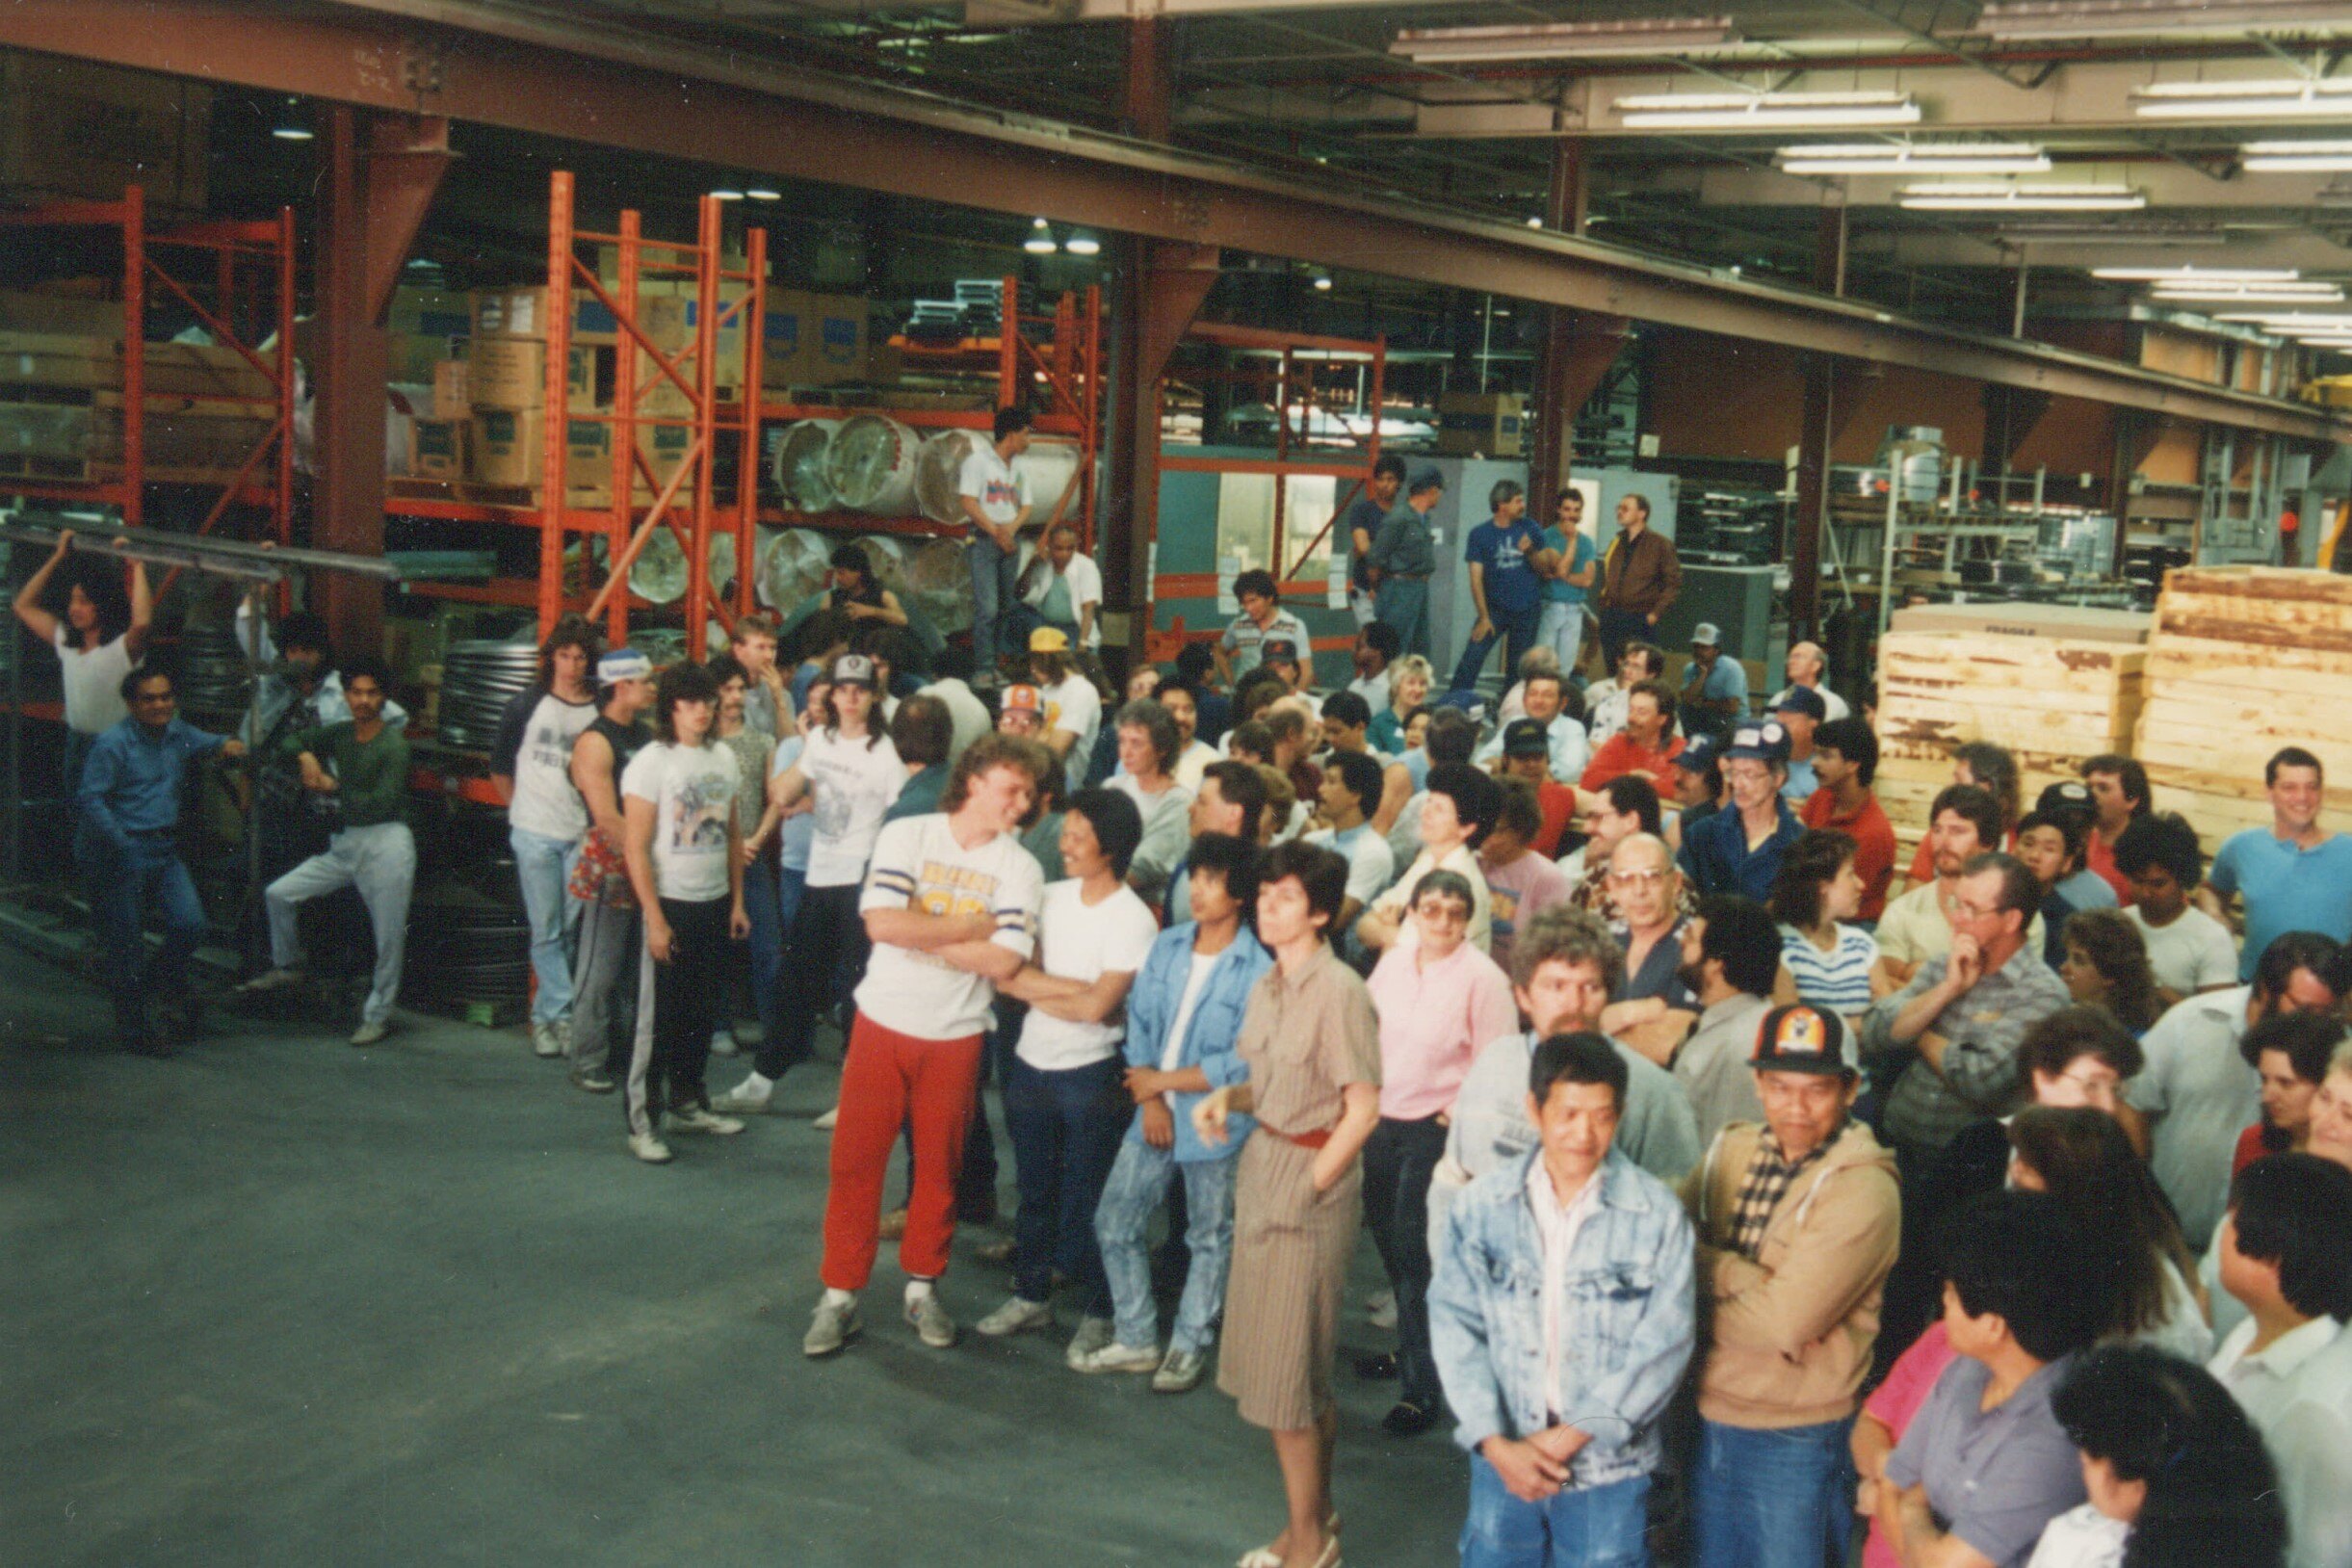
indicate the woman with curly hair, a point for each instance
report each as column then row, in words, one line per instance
column 2107, row 966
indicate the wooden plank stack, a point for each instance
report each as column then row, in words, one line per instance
column 2054, row 699
column 2245, row 660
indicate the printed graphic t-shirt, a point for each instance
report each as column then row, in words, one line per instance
column 691, row 789
column 918, row 863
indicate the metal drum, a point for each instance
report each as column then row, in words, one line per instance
column 939, row 473
column 1050, row 466
column 939, row 585
column 889, row 557
column 800, row 468
column 479, row 678
column 658, row 576
column 871, row 465
column 215, row 684
column 792, row 567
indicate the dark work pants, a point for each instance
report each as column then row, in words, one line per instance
column 673, row 1033
column 823, row 958
column 1618, row 627
column 1066, row 1128
column 1399, row 1159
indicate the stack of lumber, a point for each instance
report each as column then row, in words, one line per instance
column 2055, row 687
column 2245, row 660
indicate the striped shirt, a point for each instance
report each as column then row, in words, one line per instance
column 919, row 865
column 1836, row 982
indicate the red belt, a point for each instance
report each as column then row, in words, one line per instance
column 1305, row 1140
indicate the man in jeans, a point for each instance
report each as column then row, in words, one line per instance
column 1797, row 1220
column 996, row 503
column 1561, row 1314
column 1184, row 1018
column 531, row 766
column 604, row 972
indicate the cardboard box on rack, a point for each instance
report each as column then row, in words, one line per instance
column 512, row 373
column 451, row 398
column 588, row 463
column 833, row 340
column 507, row 446
column 783, row 338
column 439, row 449
column 522, row 313
column 1487, row 424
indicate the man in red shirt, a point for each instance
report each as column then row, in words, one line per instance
column 2119, row 790
column 1647, row 745
column 1526, row 756
column 1845, row 760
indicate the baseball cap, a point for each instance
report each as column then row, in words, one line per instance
column 1767, row 741
column 1697, row 753
column 855, row 667
column 1800, row 1039
column 1049, row 639
column 1023, row 698
column 1708, row 634
column 2066, row 796
column 622, row 664
column 1278, row 647
column 1426, row 478
column 1802, row 700
column 1525, row 738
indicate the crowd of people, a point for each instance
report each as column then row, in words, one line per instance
column 1741, row 1195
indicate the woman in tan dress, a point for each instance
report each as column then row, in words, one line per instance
column 1312, row 1043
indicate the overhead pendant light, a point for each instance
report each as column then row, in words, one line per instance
column 1763, row 111
column 1962, row 195
column 2147, row 18
column 1322, row 282
column 760, row 193
column 1564, row 41
column 1083, row 243
column 1891, row 158
column 2295, row 157
column 1535, row 223
column 726, row 194
column 2290, row 98
column 292, row 133
column 1040, row 240
column 2197, row 275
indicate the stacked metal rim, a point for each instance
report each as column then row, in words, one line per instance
column 215, row 682
column 479, row 677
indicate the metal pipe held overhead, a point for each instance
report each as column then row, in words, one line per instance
column 226, row 557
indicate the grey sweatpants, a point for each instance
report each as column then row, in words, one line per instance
column 604, row 986
column 380, row 860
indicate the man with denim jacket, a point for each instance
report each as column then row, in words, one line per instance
column 1797, row 1222
column 1184, row 1016
column 1561, row 1314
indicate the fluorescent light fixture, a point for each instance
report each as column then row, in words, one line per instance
column 724, row 194
column 1964, row 195
column 1535, row 223
column 2290, row 98
column 1039, row 245
column 2295, row 157
column 2288, row 323
column 2254, row 295
column 292, row 133
column 1888, row 158
column 2142, row 232
column 1322, row 282
column 758, row 192
column 1564, row 41
column 1083, row 244
column 2196, row 275
column 1763, row 111
column 2151, row 18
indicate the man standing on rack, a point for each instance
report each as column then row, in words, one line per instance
column 1640, row 577
column 130, row 801
column 531, row 766
column 996, row 503
column 360, row 765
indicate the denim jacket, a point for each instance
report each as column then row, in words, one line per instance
column 1210, row 1035
column 1631, row 1324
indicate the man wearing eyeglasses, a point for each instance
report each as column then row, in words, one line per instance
column 125, row 844
column 1739, row 850
column 1953, row 1033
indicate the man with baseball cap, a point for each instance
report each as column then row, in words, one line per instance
column 1800, row 712
column 1283, row 657
column 1714, row 696
column 604, row 972
column 1526, row 754
column 1021, row 711
column 1739, row 850
column 1698, row 784
column 1797, row 1220
column 1073, row 707
column 1402, row 557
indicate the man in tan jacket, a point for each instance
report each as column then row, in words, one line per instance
column 1797, row 1223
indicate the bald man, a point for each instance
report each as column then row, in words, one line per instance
column 1808, row 667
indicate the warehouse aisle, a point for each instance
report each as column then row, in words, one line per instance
column 278, row 1300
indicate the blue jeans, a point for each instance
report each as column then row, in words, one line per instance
column 1140, row 1179
column 543, row 866
column 1066, row 1128
column 1518, row 627
column 1597, row 1526
column 1771, row 1497
column 993, row 574
column 771, row 898
column 121, row 879
column 1405, row 605
column 1562, row 629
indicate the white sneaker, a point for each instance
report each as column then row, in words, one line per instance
column 1093, row 1334
column 648, row 1147
column 696, row 1120
column 1180, row 1372
column 1116, row 1358
column 932, row 1324
column 833, row 1327
column 825, row 1123
column 741, row 1101
column 723, row 1043
column 546, row 1038
column 369, row 1034
column 275, row 979
column 1016, row 1317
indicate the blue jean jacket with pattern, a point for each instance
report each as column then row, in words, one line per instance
column 1627, row 1333
column 1210, row 1034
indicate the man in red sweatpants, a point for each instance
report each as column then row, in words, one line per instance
column 951, row 903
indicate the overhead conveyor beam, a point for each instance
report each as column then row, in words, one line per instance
column 573, row 78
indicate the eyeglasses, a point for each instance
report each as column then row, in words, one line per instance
column 1635, row 879
column 2100, row 1083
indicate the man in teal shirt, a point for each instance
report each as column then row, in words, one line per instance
column 359, row 767
column 1572, row 574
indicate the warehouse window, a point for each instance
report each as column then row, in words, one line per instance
column 1246, row 530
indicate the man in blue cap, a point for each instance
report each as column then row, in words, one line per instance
column 1402, row 557
column 1739, row 850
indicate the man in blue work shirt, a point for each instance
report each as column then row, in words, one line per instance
column 130, row 802
column 1508, row 563
column 1714, row 694
column 1739, row 850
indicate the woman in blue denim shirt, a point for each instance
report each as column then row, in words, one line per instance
column 1562, row 1316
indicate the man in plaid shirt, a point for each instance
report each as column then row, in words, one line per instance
column 1797, row 1222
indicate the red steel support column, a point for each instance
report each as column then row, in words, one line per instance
column 705, row 431
column 624, row 422
column 754, row 317
column 347, row 506
column 557, row 398
column 1159, row 293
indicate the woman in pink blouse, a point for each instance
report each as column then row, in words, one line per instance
column 1440, row 999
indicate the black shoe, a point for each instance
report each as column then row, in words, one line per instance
column 1408, row 1419
column 1379, row 1369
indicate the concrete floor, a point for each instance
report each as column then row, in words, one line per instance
column 277, row 1300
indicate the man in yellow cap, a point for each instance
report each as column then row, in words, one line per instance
column 1073, row 707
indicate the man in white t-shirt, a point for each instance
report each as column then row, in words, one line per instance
column 1065, row 1107
column 996, row 502
column 1073, row 706
column 677, row 801
column 2188, row 950
column 951, row 906
column 531, row 768
column 1064, row 588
